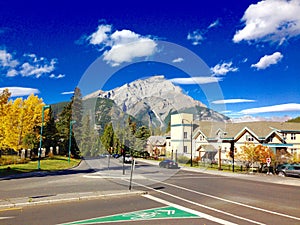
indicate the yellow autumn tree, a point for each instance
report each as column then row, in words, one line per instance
column 4, row 109
column 23, row 117
column 255, row 153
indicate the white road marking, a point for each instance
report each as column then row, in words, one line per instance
column 229, row 201
column 198, row 204
column 5, row 218
column 203, row 215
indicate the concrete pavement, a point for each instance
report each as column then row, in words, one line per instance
column 56, row 198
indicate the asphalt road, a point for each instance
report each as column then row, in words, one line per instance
column 174, row 197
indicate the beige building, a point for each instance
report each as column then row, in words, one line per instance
column 210, row 137
column 181, row 134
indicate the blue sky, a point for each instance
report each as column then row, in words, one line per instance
column 251, row 49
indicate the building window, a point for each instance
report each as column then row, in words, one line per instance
column 284, row 135
column 293, row 136
column 293, row 151
column 169, row 143
column 184, row 134
column 185, row 149
column 249, row 138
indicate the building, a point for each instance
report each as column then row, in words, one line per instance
column 212, row 140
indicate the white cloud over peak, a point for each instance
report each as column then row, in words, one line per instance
column 121, row 46
column 178, row 60
column 67, row 92
column 101, row 35
column 196, row 80
column 196, row 37
column 268, row 60
column 20, row 91
column 223, row 69
column 232, row 101
column 289, row 107
column 270, row 20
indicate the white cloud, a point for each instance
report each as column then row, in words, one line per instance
column 20, row 91
column 6, row 60
column 59, row 76
column 214, row 24
column 178, row 60
column 122, row 46
column 270, row 20
column 37, row 69
column 195, row 37
column 275, row 108
column 248, row 118
column 101, row 35
column 120, row 53
column 268, row 60
column 27, row 65
column 232, row 101
column 223, row 69
column 196, row 80
column 67, row 93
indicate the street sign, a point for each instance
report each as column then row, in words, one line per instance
column 150, row 214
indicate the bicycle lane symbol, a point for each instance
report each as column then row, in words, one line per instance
column 159, row 213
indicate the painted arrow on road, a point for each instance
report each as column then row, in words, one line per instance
column 150, row 214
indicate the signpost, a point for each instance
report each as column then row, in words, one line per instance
column 268, row 160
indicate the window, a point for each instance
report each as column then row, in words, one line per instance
column 293, row 136
column 293, row 150
column 185, row 149
column 284, row 135
column 184, row 134
column 249, row 138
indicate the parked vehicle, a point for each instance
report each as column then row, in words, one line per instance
column 128, row 158
column 280, row 166
column 289, row 170
column 265, row 169
column 168, row 163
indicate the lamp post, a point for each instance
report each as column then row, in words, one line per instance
column 70, row 139
column 191, row 122
column 41, row 137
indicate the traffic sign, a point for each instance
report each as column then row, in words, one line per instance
column 268, row 160
column 150, row 214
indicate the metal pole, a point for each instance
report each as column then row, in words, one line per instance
column 41, row 137
column 191, row 144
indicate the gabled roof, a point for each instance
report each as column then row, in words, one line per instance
column 261, row 129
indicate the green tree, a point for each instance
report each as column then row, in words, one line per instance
column 108, row 138
column 142, row 134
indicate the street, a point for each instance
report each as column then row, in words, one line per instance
column 174, row 197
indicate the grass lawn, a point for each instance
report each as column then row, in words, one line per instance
column 50, row 164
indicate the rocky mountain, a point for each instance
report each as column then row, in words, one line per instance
column 153, row 100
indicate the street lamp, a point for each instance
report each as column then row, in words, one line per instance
column 191, row 122
column 71, row 125
column 41, row 137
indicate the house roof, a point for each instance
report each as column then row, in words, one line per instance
column 156, row 140
column 261, row 129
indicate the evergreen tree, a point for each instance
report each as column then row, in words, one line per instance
column 108, row 137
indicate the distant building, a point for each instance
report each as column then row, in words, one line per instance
column 208, row 138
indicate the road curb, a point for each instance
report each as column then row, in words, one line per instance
column 60, row 198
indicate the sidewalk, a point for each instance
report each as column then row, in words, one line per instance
column 254, row 177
